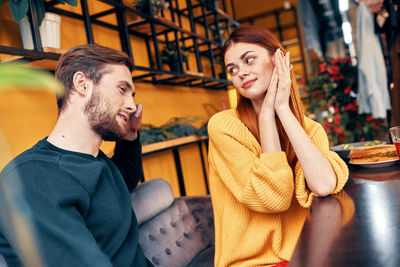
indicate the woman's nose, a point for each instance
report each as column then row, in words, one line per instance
column 243, row 73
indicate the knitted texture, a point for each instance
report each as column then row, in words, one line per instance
column 259, row 203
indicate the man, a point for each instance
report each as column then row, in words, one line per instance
column 77, row 199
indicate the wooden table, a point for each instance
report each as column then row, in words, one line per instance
column 359, row 227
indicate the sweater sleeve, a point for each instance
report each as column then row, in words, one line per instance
column 319, row 137
column 50, row 215
column 262, row 182
column 128, row 158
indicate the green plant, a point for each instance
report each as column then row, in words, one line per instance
column 176, row 127
column 170, row 53
column 19, row 8
column 332, row 93
column 14, row 75
column 150, row 6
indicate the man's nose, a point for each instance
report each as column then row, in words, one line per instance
column 130, row 104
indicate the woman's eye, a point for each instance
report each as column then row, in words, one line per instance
column 232, row 70
column 249, row 60
column 122, row 89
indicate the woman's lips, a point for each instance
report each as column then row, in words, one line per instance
column 248, row 84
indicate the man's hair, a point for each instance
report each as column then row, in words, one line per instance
column 92, row 60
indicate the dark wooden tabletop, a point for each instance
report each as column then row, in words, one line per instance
column 358, row 227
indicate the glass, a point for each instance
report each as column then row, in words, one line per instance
column 395, row 133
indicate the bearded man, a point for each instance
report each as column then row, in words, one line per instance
column 77, row 198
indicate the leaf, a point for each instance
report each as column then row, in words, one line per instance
column 18, row 75
column 18, row 9
column 72, row 2
column 40, row 10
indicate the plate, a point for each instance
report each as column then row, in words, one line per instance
column 378, row 164
column 344, row 153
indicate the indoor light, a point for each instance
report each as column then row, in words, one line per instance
column 343, row 5
column 346, row 27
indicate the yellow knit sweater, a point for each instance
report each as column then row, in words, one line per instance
column 259, row 208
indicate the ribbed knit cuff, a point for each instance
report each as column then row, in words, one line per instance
column 303, row 194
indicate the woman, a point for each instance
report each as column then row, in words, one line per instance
column 267, row 160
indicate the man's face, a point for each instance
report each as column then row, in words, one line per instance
column 111, row 104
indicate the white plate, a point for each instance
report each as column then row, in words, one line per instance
column 378, row 164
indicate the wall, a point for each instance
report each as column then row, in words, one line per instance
column 26, row 117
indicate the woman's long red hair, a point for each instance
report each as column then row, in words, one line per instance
column 245, row 110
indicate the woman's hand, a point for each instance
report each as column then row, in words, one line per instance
column 283, row 67
column 267, row 107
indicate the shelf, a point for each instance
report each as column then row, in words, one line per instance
column 155, row 31
column 171, row 144
column 46, row 59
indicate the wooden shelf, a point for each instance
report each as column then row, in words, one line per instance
column 39, row 62
column 171, row 144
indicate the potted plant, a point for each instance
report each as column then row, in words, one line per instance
column 151, row 7
column 169, row 56
column 19, row 9
column 332, row 95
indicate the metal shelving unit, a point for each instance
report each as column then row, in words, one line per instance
column 156, row 31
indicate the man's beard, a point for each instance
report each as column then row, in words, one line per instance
column 101, row 119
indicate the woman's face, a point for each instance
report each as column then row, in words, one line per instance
column 250, row 67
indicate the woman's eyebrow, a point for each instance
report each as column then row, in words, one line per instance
column 241, row 57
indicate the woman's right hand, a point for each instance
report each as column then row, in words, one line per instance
column 268, row 105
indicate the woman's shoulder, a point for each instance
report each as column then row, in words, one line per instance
column 226, row 121
column 223, row 117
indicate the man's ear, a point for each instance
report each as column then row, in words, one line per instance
column 80, row 83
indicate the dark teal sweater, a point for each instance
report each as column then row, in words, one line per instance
column 77, row 205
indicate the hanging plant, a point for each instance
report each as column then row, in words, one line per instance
column 150, row 7
column 19, row 8
column 175, row 128
column 169, row 55
column 332, row 93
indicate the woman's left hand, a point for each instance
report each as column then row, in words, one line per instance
column 282, row 63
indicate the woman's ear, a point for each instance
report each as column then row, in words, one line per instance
column 80, row 83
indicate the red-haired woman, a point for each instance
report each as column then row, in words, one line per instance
column 267, row 160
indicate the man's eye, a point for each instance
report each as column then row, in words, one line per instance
column 122, row 89
column 249, row 60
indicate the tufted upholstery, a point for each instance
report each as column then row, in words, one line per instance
column 180, row 235
column 2, row 261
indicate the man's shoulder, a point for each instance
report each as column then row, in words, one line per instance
column 27, row 158
column 44, row 163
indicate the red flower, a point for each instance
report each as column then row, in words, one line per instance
column 362, row 139
column 341, row 138
column 347, row 90
column 333, row 70
column 369, row 118
column 337, row 130
column 301, row 80
column 347, row 59
column 339, row 77
column 337, row 119
column 314, row 93
column 377, row 123
column 326, row 125
column 322, row 67
column 352, row 106
column 336, row 60
column 336, row 108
